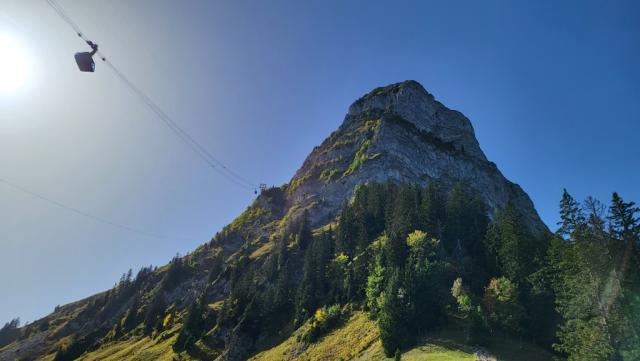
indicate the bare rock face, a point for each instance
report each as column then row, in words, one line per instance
column 400, row 133
column 413, row 103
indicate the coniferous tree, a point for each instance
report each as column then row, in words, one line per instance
column 304, row 236
column 346, row 231
column 432, row 210
column 9, row 332
column 306, row 298
column 192, row 328
column 376, row 281
column 465, row 229
column 337, row 274
column 581, row 271
column 624, row 227
column 155, row 313
column 392, row 317
column 423, row 275
column 622, row 304
column 513, row 245
column 130, row 319
column 571, row 216
column 405, row 212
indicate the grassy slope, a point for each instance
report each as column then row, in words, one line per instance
column 140, row 349
column 136, row 349
column 357, row 339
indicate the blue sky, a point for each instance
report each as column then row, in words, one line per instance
column 552, row 89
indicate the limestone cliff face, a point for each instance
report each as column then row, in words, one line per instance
column 400, row 133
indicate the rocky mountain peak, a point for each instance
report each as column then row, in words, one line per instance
column 411, row 101
column 400, row 133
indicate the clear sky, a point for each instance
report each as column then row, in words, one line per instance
column 552, row 89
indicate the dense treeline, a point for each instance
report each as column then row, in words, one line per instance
column 414, row 258
column 395, row 250
column 593, row 270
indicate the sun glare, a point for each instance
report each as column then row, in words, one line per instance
column 14, row 64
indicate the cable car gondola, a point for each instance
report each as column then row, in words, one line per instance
column 85, row 59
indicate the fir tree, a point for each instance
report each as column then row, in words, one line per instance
column 571, row 216
column 304, row 235
column 392, row 318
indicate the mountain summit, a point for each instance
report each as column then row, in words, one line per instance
column 400, row 133
column 234, row 296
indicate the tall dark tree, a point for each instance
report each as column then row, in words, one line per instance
column 9, row 332
column 624, row 224
column 513, row 246
column 347, row 231
column 314, row 286
column 392, row 320
column 423, row 274
column 622, row 304
column 193, row 326
column 131, row 318
column 304, row 235
column 405, row 212
column 155, row 313
column 466, row 222
column 432, row 210
column 571, row 215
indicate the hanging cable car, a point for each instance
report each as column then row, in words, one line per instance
column 86, row 63
column 85, row 59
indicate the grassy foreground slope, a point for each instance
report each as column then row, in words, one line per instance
column 138, row 349
column 358, row 339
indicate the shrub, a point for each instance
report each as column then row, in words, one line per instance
column 323, row 320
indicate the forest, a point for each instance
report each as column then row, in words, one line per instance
column 415, row 259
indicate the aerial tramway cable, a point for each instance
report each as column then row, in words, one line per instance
column 86, row 214
column 196, row 147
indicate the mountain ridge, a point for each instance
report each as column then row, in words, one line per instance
column 394, row 134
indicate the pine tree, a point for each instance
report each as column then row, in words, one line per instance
column 9, row 332
column 131, row 318
column 392, row 318
column 423, row 275
column 192, row 328
column 155, row 312
column 571, row 216
column 432, row 210
column 622, row 305
column 346, row 231
column 513, row 244
column 466, row 222
column 405, row 212
column 624, row 225
column 581, row 279
column 377, row 278
column 304, row 231
column 306, row 297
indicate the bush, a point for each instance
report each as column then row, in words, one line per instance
column 323, row 320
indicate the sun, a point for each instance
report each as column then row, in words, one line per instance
column 14, row 64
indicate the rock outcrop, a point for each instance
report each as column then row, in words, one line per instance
column 400, row 133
